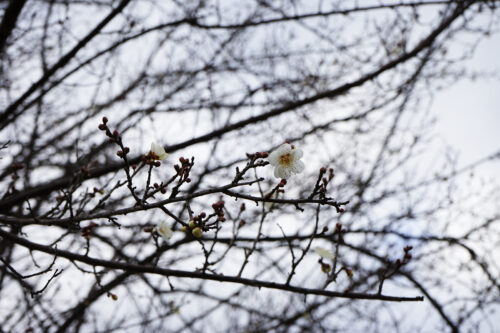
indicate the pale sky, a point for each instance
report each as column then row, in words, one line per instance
column 468, row 112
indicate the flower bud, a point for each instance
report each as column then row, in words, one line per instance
column 192, row 224
column 197, row 232
column 326, row 268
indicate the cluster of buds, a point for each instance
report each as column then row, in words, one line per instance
column 123, row 152
column 323, row 181
column 219, row 210
column 161, row 187
column 114, row 137
column 151, row 159
column 195, row 226
column 87, row 231
column 406, row 257
column 257, row 155
column 184, row 168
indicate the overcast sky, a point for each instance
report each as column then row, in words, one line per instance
column 468, row 112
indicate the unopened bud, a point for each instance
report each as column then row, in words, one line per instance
column 326, row 268
column 197, row 232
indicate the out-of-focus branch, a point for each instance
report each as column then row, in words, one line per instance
column 196, row 275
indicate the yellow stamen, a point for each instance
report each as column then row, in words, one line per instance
column 286, row 159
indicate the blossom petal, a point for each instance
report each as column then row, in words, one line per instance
column 159, row 151
column 324, row 253
column 282, row 172
column 298, row 166
column 297, row 153
column 274, row 158
column 278, row 172
column 164, row 230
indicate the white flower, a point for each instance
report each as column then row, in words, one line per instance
column 164, row 230
column 324, row 253
column 158, row 151
column 286, row 161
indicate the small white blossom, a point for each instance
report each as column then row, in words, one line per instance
column 158, row 151
column 324, row 253
column 286, row 161
column 164, row 230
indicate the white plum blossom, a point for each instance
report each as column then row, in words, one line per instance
column 324, row 253
column 158, row 151
column 164, row 230
column 286, row 161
